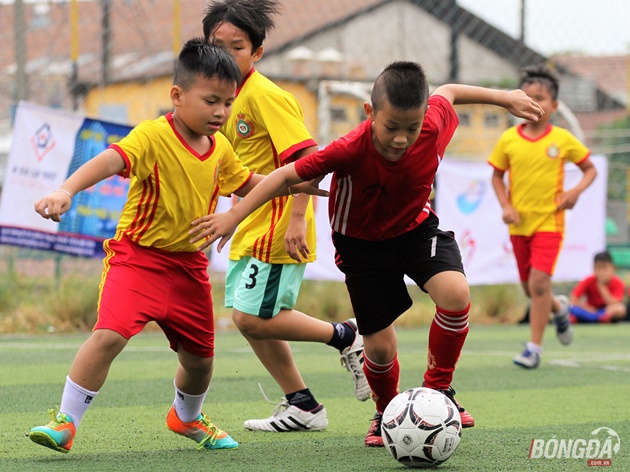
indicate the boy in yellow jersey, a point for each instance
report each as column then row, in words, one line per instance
column 533, row 206
column 269, row 252
column 178, row 166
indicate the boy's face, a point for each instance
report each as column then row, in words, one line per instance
column 603, row 271
column 237, row 43
column 394, row 130
column 205, row 106
column 542, row 96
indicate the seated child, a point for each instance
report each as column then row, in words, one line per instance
column 599, row 297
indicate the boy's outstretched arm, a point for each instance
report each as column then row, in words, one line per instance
column 517, row 102
column 104, row 165
column 282, row 181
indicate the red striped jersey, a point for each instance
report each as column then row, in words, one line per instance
column 171, row 184
column 372, row 198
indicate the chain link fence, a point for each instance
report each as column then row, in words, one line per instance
column 113, row 59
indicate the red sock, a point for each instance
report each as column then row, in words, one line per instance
column 383, row 381
column 446, row 340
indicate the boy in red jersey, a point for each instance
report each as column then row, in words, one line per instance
column 534, row 153
column 383, row 224
column 177, row 167
column 599, row 297
column 271, row 248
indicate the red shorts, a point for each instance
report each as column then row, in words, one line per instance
column 539, row 251
column 142, row 284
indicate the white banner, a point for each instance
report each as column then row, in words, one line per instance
column 48, row 145
column 467, row 205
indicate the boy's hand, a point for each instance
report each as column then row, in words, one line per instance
column 523, row 106
column 567, row 200
column 53, row 205
column 510, row 215
column 295, row 239
column 310, row 187
column 213, row 227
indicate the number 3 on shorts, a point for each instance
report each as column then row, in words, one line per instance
column 252, row 276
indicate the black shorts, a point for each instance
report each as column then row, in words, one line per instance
column 375, row 270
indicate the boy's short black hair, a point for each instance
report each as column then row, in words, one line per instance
column 402, row 83
column 197, row 57
column 540, row 74
column 254, row 17
column 603, row 257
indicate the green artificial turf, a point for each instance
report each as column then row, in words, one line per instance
column 575, row 390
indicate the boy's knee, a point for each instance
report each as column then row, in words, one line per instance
column 108, row 340
column 250, row 326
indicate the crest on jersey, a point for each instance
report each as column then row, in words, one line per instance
column 244, row 127
column 553, row 151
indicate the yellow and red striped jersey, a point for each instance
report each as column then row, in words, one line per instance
column 536, row 175
column 266, row 128
column 171, row 184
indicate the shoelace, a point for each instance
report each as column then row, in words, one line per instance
column 450, row 393
column 209, row 438
column 351, row 366
column 57, row 418
column 279, row 407
column 377, row 427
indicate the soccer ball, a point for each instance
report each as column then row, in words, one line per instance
column 421, row 427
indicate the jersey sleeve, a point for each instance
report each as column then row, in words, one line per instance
column 576, row 151
column 284, row 121
column 499, row 157
column 232, row 173
column 617, row 288
column 580, row 288
column 338, row 156
column 136, row 150
column 441, row 116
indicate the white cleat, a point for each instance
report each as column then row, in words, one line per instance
column 352, row 360
column 564, row 329
column 287, row 418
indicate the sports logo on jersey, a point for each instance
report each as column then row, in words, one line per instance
column 244, row 127
column 553, row 151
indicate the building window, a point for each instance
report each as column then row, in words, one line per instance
column 491, row 119
column 338, row 114
column 464, row 118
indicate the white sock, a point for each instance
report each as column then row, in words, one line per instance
column 187, row 407
column 534, row 347
column 75, row 401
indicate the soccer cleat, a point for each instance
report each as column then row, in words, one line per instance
column 285, row 418
column 564, row 330
column 467, row 420
column 57, row 435
column 352, row 360
column 201, row 430
column 374, row 436
column 527, row 359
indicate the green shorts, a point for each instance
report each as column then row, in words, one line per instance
column 262, row 289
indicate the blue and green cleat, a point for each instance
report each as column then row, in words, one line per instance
column 57, row 435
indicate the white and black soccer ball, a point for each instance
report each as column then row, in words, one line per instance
column 421, row 427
